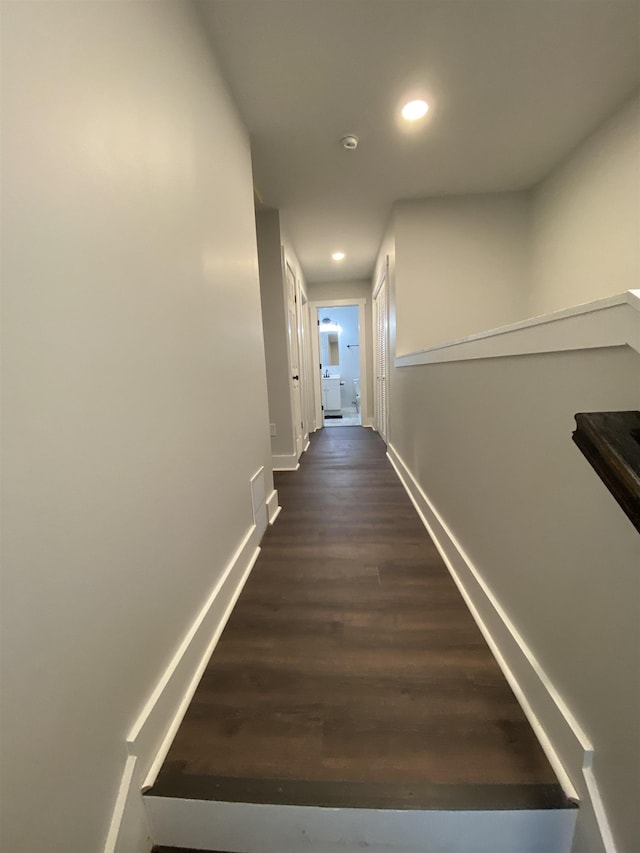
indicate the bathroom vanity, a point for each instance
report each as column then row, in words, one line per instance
column 331, row 395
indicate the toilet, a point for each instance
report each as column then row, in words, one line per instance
column 356, row 385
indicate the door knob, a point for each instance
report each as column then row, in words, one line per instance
column 297, row 378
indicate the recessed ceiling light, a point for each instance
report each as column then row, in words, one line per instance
column 414, row 110
column 338, row 256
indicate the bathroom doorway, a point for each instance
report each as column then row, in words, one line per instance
column 340, row 362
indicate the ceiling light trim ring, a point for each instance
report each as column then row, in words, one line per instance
column 350, row 142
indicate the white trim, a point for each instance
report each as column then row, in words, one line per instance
column 285, row 462
column 308, row 336
column 362, row 341
column 337, row 303
column 600, row 815
column 275, row 515
column 293, row 334
column 307, row 444
column 566, row 745
column 382, row 279
column 210, row 825
column 257, row 487
column 129, row 827
column 316, row 382
column 273, row 510
column 381, row 354
column 152, row 733
column 610, row 322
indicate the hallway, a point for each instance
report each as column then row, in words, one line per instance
column 351, row 672
column 181, row 191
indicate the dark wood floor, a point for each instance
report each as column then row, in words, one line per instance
column 351, row 672
column 181, row 850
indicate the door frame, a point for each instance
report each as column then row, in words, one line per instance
column 378, row 423
column 305, row 344
column 362, row 342
column 293, row 334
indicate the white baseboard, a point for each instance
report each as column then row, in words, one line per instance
column 258, row 502
column 285, row 462
column 129, row 830
column 152, row 734
column 307, row 444
column 273, row 510
column 566, row 745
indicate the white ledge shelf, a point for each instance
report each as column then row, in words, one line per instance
column 610, row 322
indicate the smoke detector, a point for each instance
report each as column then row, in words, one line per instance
column 350, row 142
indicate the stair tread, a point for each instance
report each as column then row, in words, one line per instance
column 380, row 795
column 183, row 850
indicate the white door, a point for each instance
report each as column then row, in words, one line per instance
column 294, row 359
column 308, row 415
column 381, row 390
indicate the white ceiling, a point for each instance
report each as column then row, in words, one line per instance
column 513, row 86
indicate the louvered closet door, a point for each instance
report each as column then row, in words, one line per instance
column 382, row 361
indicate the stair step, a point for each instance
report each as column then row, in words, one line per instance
column 352, row 702
column 265, row 828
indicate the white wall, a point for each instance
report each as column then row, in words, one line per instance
column 586, row 219
column 130, row 273
column 462, row 266
column 339, row 290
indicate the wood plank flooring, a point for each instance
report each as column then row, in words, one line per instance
column 351, row 672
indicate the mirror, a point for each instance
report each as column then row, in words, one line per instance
column 330, row 350
column 334, row 350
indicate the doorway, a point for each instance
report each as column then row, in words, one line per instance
column 340, row 363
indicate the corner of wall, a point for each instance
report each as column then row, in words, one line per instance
column 577, row 253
